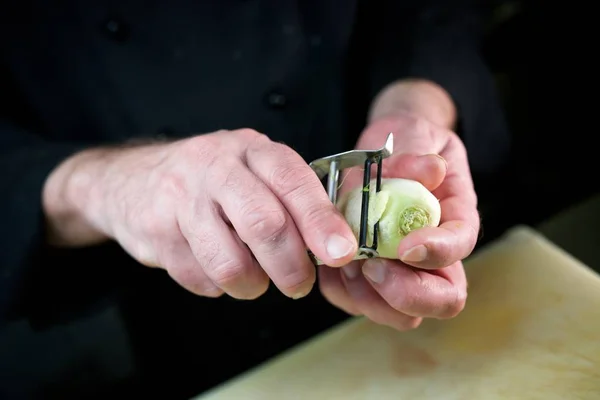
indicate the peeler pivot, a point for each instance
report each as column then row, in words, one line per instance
column 332, row 165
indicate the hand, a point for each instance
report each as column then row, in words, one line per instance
column 221, row 212
column 430, row 280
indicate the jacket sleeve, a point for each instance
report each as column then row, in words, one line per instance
column 25, row 162
column 41, row 284
column 441, row 41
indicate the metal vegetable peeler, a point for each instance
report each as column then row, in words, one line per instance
column 330, row 166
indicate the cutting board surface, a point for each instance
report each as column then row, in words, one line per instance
column 530, row 330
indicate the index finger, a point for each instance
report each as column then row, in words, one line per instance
column 321, row 225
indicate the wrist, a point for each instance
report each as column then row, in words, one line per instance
column 418, row 98
column 70, row 191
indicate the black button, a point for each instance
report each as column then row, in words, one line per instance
column 276, row 100
column 116, row 29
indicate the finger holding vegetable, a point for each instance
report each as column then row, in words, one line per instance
column 428, row 223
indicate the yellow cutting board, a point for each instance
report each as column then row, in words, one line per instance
column 530, row 330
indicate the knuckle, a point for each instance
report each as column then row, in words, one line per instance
column 293, row 180
column 154, row 225
column 287, row 151
column 201, row 147
column 251, row 135
column 248, row 132
column 204, row 246
column 319, row 216
column 299, row 279
column 228, row 174
column 257, row 143
column 206, row 251
column 145, row 255
column 456, row 306
column 172, row 184
column 265, row 224
column 227, row 272
column 231, row 173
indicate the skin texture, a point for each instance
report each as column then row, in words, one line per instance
column 216, row 224
column 429, row 280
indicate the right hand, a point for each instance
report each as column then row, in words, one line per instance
column 221, row 212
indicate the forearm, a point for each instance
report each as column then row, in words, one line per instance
column 75, row 192
column 416, row 97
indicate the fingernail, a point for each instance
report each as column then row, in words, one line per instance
column 338, row 246
column 299, row 295
column 375, row 270
column 351, row 270
column 416, row 254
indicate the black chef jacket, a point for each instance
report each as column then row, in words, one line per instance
column 78, row 73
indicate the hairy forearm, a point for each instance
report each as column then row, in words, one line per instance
column 419, row 98
column 74, row 194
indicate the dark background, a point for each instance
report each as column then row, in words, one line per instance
column 530, row 48
column 539, row 57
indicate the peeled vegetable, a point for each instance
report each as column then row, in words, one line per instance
column 402, row 206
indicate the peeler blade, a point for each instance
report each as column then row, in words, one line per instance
column 352, row 158
column 330, row 166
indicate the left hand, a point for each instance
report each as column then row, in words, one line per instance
column 430, row 280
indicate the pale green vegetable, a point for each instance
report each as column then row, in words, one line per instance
column 402, row 206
